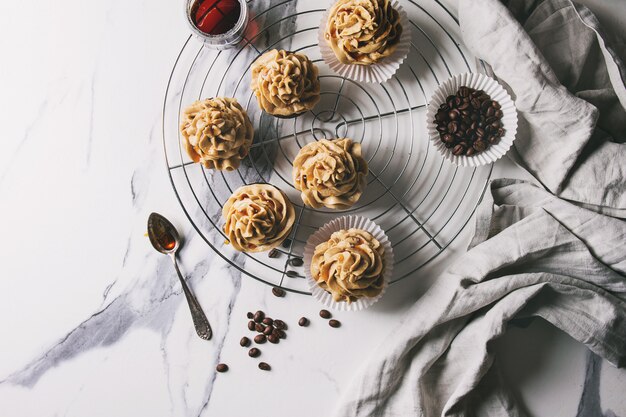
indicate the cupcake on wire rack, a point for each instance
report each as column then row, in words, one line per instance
column 348, row 263
column 364, row 40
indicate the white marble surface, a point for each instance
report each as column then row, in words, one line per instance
column 94, row 322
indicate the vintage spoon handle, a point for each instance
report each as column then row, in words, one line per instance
column 200, row 322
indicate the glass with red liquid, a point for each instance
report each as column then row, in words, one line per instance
column 220, row 24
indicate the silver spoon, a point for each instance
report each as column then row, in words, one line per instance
column 165, row 239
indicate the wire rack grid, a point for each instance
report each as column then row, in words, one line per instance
column 420, row 200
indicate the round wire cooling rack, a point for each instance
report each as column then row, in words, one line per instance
column 419, row 199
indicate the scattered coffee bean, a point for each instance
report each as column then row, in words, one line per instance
column 281, row 334
column 469, row 122
column 259, row 316
column 279, row 324
column 268, row 330
column 274, row 253
column 296, row 262
column 273, row 338
column 287, row 243
column 325, row 314
column 244, row 342
column 251, row 325
column 260, row 339
column 222, row 367
column 264, row 366
column 268, row 321
column 254, row 352
column 250, row 315
column 291, row 274
column 334, row 323
column 259, row 327
column 303, row 322
column 278, row 292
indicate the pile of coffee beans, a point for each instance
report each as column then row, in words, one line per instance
column 272, row 330
column 469, row 122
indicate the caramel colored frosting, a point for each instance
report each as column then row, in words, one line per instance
column 330, row 173
column 285, row 83
column 350, row 265
column 362, row 32
column 258, row 217
column 217, row 133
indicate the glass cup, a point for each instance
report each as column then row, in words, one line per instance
column 231, row 37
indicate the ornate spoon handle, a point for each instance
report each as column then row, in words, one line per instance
column 200, row 322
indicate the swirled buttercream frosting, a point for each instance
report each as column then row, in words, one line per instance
column 258, row 217
column 285, row 83
column 350, row 265
column 362, row 32
column 217, row 133
column 330, row 173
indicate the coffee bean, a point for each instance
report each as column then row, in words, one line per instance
column 475, row 103
column 453, row 127
column 291, row 274
column 500, row 132
column 458, row 150
column 464, row 91
column 325, row 314
column 273, row 338
column 480, row 145
column 259, row 316
column 454, row 114
column 493, row 139
column 498, row 113
column 264, row 366
column 254, row 352
column 296, row 262
column 490, row 112
column 260, row 339
column 251, row 325
column 470, row 152
column 495, row 105
column 268, row 321
column 244, row 342
column 281, row 334
column 278, row 292
column 303, row 322
column 447, row 138
column 287, row 243
column 268, row 330
column 222, row 367
column 259, row 327
column 250, row 315
column 280, row 325
column 441, row 116
column 274, row 253
column 334, row 323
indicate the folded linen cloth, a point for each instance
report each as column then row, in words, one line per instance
column 543, row 257
column 533, row 253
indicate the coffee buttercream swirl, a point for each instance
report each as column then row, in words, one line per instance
column 217, row 133
column 258, row 218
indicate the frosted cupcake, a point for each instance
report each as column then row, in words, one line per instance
column 350, row 265
column 363, row 32
column 217, row 133
column 330, row 173
column 258, row 217
column 285, row 84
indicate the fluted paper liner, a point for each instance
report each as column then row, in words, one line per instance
column 497, row 93
column 375, row 73
column 322, row 235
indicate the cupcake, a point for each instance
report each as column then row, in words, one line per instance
column 258, row 217
column 350, row 265
column 330, row 173
column 217, row 133
column 285, row 83
column 362, row 32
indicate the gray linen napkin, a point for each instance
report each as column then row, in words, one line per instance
column 533, row 254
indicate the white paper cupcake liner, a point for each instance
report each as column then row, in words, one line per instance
column 322, row 235
column 375, row 73
column 497, row 93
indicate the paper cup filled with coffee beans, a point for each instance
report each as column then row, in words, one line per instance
column 471, row 120
column 348, row 263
